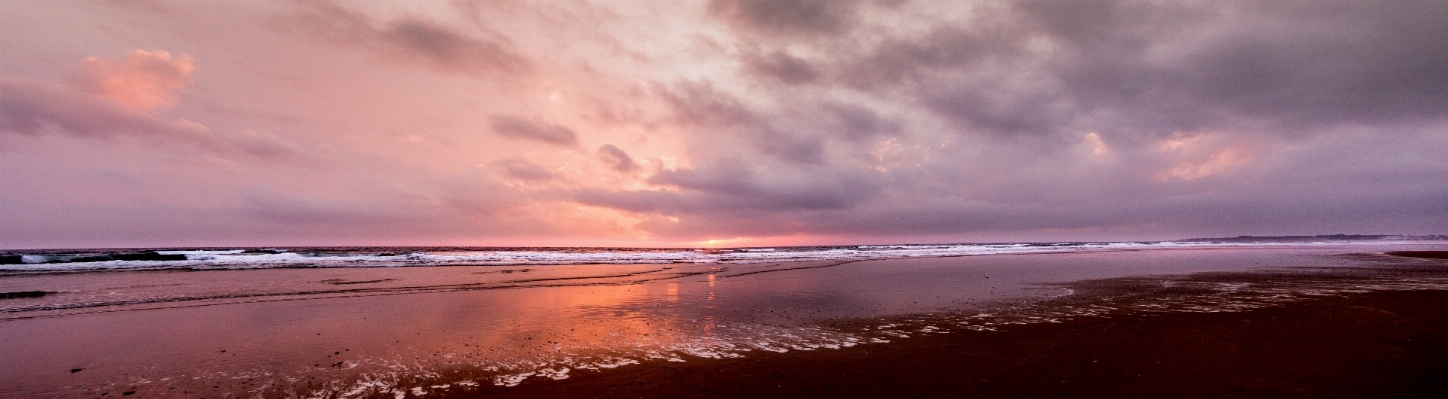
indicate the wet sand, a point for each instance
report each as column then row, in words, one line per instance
column 1421, row 254
column 1379, row 344
column 897, row 328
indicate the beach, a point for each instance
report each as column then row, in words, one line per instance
column 329, row 199
column 1380, row 344
column 1264, row 320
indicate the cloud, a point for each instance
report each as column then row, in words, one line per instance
column 109, row 98
column 1038, row 68
column 411, row 38
column 801, row 17
column 1042, row 117
column 297, row 209
column 31, row 107
column 523, row 170
column 1186, row 67
column 1200, row 155
column 1055, row 118
column 34, row 108
column 616, row 159
column 851, row 121
column 518, row 127
column 732, row 185
column 782, row 66
column 141, row 80
column 706, row 109
column 811, row 120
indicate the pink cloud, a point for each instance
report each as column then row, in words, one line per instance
column 35, row 108
column 410, row 38
column 616, row 159
column 654, row 123
column 141, row 80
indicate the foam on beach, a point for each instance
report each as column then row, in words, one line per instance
column 1202, row 293
column 263, row 258
column 555, row 324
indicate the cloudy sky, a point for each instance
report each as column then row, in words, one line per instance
column 670, row 123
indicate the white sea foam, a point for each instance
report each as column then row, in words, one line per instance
column 434, row 373
column 273, row 258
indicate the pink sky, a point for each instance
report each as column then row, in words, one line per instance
column 744, row 123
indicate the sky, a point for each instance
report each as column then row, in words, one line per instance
column 717, row 123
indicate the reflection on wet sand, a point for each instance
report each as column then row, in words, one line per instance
column 425, row 331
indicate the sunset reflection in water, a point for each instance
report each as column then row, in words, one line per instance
column 289, row 332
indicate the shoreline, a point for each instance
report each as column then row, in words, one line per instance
column 1419, row 254
column 144, row 260
column 1375, row 344
column 1352, row 342
column 459, row 344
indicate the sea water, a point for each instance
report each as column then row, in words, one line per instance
column 398, row 322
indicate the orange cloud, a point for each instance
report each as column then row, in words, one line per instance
column 1092, row 141
column 1203, row 155
column 1217, row 163
column 141, row 80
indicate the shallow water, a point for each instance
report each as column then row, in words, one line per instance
column 351, row 332
column 58, row 261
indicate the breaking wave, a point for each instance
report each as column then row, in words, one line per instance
column 264, row 258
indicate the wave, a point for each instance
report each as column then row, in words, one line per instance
column 51, row 261
column 466, row 371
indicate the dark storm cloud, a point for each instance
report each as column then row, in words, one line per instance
column 799, row 133
column 1328, row 190
column 820, row 190
column 1294, row 65
column 616, row 159
column 907, row 60
column 782, row 66
column 411, row 38
column 732, row 185
column 528, row 129
column 815, row 121
column 1149, row 67
column 853, row 121
column 1016, row 114
column 1198, row 114
column 716, row 112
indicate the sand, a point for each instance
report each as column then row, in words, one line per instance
column 1380, row 344
column 1302, row 321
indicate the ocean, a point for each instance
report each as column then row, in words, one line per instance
column 417, row 322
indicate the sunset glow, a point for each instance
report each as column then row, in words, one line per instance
column 366, row 199
column 714, row 123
